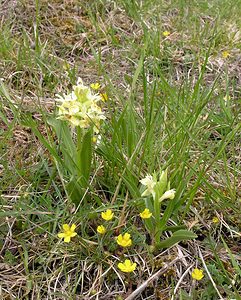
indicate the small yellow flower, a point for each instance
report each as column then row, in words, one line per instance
column 95, row 86
column 69, row 232
column 101, row 229
column 124, row 240
column 107, row 215
column 104, row 97
column 215, row 220
column 166, row 33
column 146, row 214
column 225, row 54
column 127, row 266
column 197, row 274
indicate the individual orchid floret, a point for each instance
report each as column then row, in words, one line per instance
column 149, row 182
column 170, row 194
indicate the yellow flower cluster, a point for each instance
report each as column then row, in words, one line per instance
column 107, row 216
column 122, row 240
column 80, row 107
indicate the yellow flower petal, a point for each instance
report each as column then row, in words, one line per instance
column 127, row 236
column 66, row 227
column 67, row 239
column 61, row 235
column 73, row 227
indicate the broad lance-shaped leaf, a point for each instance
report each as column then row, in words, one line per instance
column 74, row 190
column 64, row 135
column 178, row 236
column 86, row 156
column 66, row 144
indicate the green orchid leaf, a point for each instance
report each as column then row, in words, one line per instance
column 178, row 236
column 64, row 135
column 85, row 156
column 74, row 190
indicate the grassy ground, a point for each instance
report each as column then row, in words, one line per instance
column 173, row 102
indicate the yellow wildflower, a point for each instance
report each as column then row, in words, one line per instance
column 107, row 215
column 197, row 274
column 69, row 232
column 124, row 240
column 215, row 220
column 101, row 229
column 166, row 33
column 104, row 97
column 95, row 86
column 146, row 214
column 225, row 54
column 127, row 266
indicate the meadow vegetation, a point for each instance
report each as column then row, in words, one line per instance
column 120, row 149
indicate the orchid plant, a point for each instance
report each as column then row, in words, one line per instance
column 155, row 190
column 77, row 127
